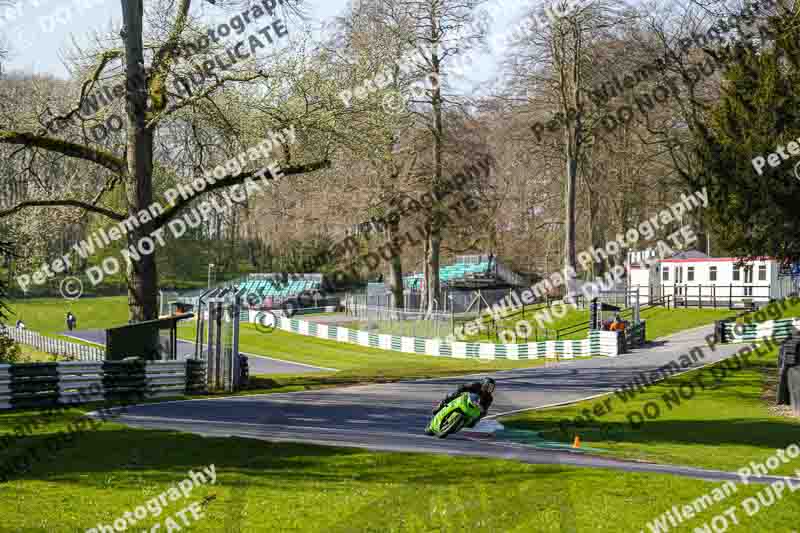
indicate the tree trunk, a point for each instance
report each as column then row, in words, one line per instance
column 432, row 260
column 569, row 221
column 595, row 233
column 142, row 282
column 423, row 303
column 435, row 228
column 142, row 273
column 395, row 268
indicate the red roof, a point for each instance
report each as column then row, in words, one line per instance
column 711, row 260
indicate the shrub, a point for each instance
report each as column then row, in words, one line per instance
column 9, row 350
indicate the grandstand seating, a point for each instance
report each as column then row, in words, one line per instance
column 274, row 288
column 454, row 272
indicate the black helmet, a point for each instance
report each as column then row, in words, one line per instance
column 487, row 385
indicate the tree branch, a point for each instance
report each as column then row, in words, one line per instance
column 155, row 117
column 163, row 60
column 182, row 203
column 104, row 159
column 87, row 86
column 63, row 203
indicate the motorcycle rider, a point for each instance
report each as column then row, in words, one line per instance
column 483, row 388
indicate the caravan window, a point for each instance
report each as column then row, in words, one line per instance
column 689, row 273
column 735, row 273
column 665, row 275
column 762, row 273
column 712, row 273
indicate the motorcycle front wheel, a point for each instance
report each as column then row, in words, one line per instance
column 451, row 424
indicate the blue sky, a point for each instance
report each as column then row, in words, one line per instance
column 43, row 28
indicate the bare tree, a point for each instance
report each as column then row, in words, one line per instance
column 552, row 68
column 443, row 31
column 147, row 104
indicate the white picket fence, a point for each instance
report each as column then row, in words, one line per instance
column 76, row 351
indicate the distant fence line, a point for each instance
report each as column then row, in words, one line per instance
column 406, row 323
column 714, row 295
column 53, row 346
column 452, row 300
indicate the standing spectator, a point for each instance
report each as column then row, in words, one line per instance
column 20, row 324
column 71, row 320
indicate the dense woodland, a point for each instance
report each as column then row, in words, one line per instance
column 595, row 115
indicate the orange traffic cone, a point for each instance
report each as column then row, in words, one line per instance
column 577, row 442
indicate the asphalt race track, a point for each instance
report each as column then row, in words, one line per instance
column 259, row 364
column 393, row 416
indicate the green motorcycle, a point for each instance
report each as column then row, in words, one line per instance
column 462, row 411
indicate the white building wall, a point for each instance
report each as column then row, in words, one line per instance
column 724, row 287
column 643, row 279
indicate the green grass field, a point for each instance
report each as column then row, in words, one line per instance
column 287, row 487
column 792, row 310
column 355, row 364
column 405, row 328
column 269, row 487
column 47, row 315
column 31, row 355
column 721, row 427
column 660, row 322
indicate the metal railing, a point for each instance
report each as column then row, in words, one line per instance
column 664, row 301
column 390, row 321
column 708, row 295
column 71, row 350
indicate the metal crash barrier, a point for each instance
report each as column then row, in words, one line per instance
column 789, row 375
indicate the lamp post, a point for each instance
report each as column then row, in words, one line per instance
column 452, row 316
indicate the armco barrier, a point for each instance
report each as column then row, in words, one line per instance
column 598, row 343
column 636, row 335
column 51, row 384
column 781, row 329
column 788, row 358
column 794, row 388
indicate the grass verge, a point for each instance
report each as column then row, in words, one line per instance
column 31, row 355
column 725, row 426
column 270, row 487
column 660, row 322
column 47, row 315
column 355, row 364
